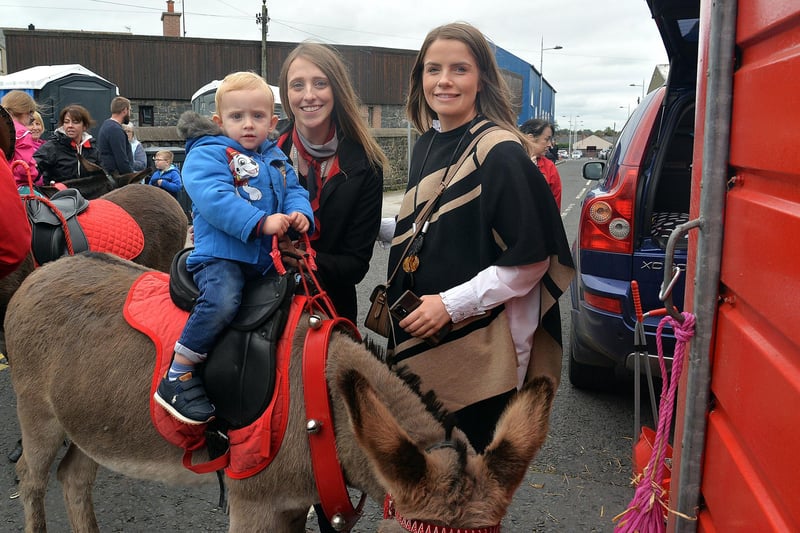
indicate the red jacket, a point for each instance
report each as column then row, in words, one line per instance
column 14, row 228
column 550, row 172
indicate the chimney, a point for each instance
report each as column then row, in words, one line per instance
column 171, row 20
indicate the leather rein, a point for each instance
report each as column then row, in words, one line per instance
column 323, row 321
column 328, row 475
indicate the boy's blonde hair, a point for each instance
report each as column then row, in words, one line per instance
column 165, row 154
column 242, row 81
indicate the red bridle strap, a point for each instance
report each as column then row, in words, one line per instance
column 328, row 473
column 418, row 526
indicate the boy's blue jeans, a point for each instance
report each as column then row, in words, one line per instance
column 220, row 282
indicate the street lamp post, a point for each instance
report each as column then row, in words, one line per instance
column 570, row 139
column 639, row 85
column 541, row 74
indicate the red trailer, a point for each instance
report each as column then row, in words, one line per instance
column 738, row 409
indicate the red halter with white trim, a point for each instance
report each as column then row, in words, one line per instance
column 419, row 526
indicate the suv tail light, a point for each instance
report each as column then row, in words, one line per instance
column 607, row 218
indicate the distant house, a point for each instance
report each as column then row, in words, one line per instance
column 591, row 145
column 658, row 78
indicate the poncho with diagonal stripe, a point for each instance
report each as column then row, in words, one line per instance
column 497, row 210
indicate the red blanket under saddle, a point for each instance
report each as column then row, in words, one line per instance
column 109, row 228
column 149, row 309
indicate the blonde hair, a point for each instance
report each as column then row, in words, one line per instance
column 37, row 117
column 166, row 154
column 346, row 113
column 492, row 101
column 19, row 103
column 242, row 81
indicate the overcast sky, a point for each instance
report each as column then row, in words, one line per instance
column 607, row 45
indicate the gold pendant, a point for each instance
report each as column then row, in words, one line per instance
column 410, row 264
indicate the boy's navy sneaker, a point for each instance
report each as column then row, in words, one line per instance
column 185, row 399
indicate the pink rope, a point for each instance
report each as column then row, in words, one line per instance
column 645, row 512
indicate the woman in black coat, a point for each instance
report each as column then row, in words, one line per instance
column 57, row 159
column 340, row 164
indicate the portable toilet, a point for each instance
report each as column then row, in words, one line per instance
column 56, row 86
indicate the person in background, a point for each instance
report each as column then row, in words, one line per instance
column 540, row 135
column 494, row 255
column 243, row 193
column 37, row 129
column 552, row 151
column 166, row 175
column 138, row 156
column 58, row 158
column 21, row 106
column 115, row 150
column 340, row 164
column 14, row 227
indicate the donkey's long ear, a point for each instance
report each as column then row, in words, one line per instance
column 520, row 433
column 133, row 177
column 394, row 457
column 89, row 167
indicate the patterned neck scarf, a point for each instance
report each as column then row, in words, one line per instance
column 322, row 162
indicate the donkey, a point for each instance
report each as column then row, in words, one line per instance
column 161, row 218
column 95, row 182
column 89, row 381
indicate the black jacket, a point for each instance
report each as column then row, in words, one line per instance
column 57, row 159
column 350, row 216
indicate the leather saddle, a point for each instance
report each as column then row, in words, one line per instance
column 239, row 373
column 48, row 239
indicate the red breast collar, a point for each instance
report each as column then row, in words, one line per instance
column 418, row 526
column 328, row 474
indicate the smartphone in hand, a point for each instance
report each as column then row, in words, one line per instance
column 409, row 301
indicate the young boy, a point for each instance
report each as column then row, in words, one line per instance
column 166, row 175
column 241, row 187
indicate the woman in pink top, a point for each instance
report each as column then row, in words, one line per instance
column 21, row 107
column 540, row 133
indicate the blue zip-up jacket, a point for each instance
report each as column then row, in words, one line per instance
column 226, row 217
column 170, row 180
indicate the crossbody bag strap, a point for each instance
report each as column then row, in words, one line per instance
column 429, row 207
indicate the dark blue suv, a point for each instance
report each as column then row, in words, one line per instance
column 643, row 193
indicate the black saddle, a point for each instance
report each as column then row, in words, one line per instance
column 48, row 240
column 239, row 373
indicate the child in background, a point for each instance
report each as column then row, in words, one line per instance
column 166, row 175
column 243, row 192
